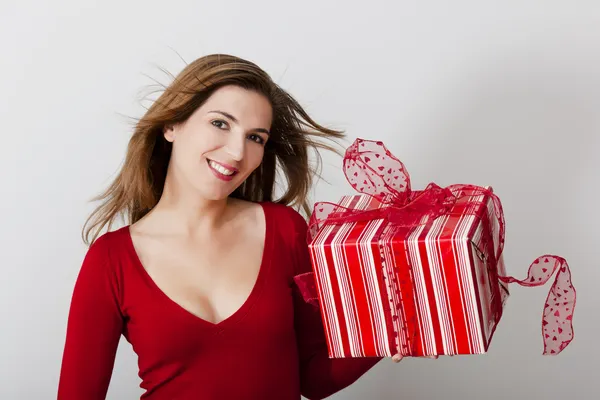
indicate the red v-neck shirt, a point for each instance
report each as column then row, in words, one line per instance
column 272, row 347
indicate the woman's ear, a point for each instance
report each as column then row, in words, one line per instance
column 169, row 133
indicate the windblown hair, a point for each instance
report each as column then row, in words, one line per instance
column 139, row 184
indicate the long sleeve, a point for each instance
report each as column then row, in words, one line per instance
column 321, row 376
column 94, row 328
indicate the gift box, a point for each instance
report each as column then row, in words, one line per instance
column 417, row 273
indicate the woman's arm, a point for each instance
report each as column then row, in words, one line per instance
column 94, row 328
column 321, row 376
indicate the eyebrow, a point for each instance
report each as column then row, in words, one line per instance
column 234, row 119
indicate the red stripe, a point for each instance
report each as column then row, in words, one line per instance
column 467, row 342
column 439, row 283
column 320, row 291
column 492, row 285
column 358, row 287
column 477, row 299
column 435, row 322
column 336, row 289
column 390, row 325
column 406, row 281
column 321, row 271
column 473, row 265
column 453, row 285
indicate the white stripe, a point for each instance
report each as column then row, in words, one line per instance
column 467, row 312
column 357, row 334
column 347, row 300
column 369, row 273
column 483, row 284
column 342, row 266
column 389, row 272
column 446, row 271
column 440, row 290
column 361, row 204
column 460, row 252
column 425, row 327
column 463, row 244
column 326, row 290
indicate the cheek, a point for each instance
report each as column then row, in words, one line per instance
column 254, row 158
column 196, row 144
column 186, row 153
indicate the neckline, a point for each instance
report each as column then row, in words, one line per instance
column 241, row 312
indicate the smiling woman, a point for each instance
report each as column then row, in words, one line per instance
column 200, row 281
column 290, row 131
column 230, row 143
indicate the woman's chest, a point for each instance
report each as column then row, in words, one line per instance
column 209, row 280
column 162, row 331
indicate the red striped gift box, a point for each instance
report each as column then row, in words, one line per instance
column 429, row 289
column 418, row 273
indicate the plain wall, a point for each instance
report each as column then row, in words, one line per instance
column 500, row 93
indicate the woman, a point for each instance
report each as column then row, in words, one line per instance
column 201, row 280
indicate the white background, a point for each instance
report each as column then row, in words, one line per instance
column 501, row 93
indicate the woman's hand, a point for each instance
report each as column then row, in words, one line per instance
column 397, row 358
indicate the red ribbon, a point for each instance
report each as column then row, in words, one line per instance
column 372, row 169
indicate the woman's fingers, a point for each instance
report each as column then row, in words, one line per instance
column 397, row 357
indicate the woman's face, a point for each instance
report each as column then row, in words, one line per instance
column 221, row 143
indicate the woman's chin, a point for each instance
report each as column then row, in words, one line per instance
column 217, row 194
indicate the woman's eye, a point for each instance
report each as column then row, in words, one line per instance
column 257, row 138
column 219, row 124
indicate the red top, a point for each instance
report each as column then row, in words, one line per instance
column 273, row 347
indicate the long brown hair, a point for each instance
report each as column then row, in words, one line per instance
column 139, row 184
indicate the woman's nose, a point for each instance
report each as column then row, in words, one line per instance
column 235, row 147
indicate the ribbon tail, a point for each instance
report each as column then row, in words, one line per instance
column 557, row 319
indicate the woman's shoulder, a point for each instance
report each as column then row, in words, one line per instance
column 286, row 216
column 108, row 244
column 288, row 225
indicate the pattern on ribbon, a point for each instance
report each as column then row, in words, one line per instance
column 371, row 169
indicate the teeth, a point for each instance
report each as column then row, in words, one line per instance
column 220, row 168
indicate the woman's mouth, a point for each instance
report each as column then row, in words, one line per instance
column 220, row 171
